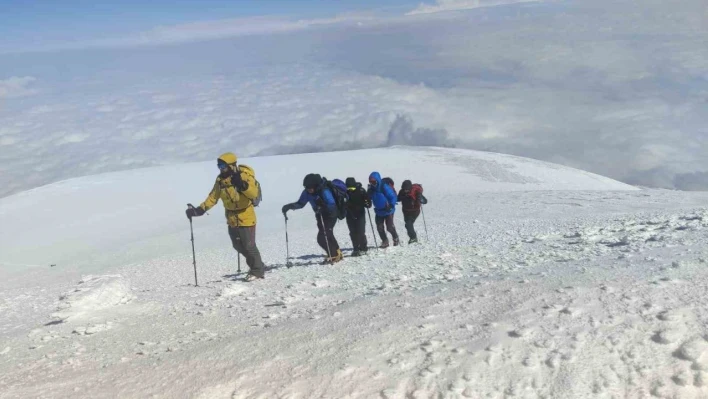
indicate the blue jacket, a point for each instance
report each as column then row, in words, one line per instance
column 322, row 197
column 382, row 196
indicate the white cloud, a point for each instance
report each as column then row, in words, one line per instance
column 206, row 30
column 458, row 5
column 200, row 31
column 615, row 87
column 218, row 29
column 16, row 87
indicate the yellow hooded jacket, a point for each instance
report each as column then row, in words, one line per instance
column 238, row 205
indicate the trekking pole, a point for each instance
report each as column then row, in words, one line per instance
column 240, row 244
column 422, row 212
column 194, row 256
column 287, row 245
column 372, row 229
column 324, row 228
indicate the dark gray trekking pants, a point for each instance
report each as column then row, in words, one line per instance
column 244, row 242
column 327, row 229
column 356, row 221
column 409, row 217
column 388, row 220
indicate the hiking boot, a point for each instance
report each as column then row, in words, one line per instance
column 356, row 252
column 413, row 240
column 384, row 244
column 252, row 277
column 396, row 242
column 336, row 258
column 363, row 252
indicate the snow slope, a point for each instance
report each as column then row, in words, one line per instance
column 126, row 216
column 536, row 281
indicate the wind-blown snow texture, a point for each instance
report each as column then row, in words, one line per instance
column 536, row 281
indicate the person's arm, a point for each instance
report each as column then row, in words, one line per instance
column 246, row 185
column 329, row 202
column 367, row 198
column 212, row 198
column 390, row 196
column 299, row 204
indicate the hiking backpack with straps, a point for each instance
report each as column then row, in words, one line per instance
column 259, row 197
column 389, row 181
column 339, row 193
column 416, row 189
column 256, row 201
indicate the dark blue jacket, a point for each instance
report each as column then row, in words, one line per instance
column 322, row 199
column 382, row 196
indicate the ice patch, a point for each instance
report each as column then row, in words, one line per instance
column 92, row 296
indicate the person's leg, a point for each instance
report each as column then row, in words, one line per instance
column 382, row 231
column 353, row 233
column 250, row 251
column 362, row 244
column 331, row 240
column 410, row 218
column 321, row 239
column 392, row 229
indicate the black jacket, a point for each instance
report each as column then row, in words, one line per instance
column 358, row 200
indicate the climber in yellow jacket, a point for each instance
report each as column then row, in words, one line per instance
column 237, row 188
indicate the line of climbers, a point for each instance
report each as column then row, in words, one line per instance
column 335, row 200
column 331, row 201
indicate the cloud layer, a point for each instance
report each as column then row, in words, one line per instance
column 458, row 5
column 16, row 87
column 614, row 87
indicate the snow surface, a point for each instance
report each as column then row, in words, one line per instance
column 536, row 281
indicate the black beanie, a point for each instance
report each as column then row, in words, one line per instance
column 407, row 185
column 351, row 182
column 312, row 180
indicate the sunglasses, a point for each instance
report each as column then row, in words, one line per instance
column 222, row 165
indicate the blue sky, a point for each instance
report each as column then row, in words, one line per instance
column 41, row 22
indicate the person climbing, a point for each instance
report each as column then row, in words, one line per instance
column 356, row 216
column 411, row 199
column 323, row 203
column 384, row 199
column 237, row 188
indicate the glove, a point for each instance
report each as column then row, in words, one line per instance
column 193, row 212
column 367, row 203
column 388, row 207
column 286, row 208
column 238, row 182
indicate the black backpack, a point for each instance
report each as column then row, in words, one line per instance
column 339, row 192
